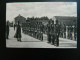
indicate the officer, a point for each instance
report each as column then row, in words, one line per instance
column 57, row 31
column 48, row 32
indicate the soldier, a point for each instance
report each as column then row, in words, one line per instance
column 37, row 30
column 57, row 31
column 52, row 33
column 75, row 32
column 29, row 28
column 64, row 31
column 7, row 30
column 68, row 32
column 48, row 32
column 14, row 26
column 71, row 32
column 18, row 32
column 41, row 31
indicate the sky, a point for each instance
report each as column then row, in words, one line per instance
column 39, row 9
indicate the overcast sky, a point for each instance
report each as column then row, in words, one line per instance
column 39, row 9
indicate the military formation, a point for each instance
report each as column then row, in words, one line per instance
column 35, row 29
column 72, row 30
column 53, row 32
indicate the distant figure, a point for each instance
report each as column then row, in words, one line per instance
column 14, row 26
column 7, row 30
column 18, row 32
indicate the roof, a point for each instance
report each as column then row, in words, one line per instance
column 65, row 17
column 68, row 20
column 20, row 16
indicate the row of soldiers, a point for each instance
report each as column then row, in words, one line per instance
column 72, row 31
column 34, row 29
column 53, row 32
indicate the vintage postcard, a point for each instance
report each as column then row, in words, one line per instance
column 41, row 25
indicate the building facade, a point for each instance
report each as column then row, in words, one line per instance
column 19, row 18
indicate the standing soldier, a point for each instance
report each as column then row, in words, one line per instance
column 75, row 32
column 52, row 33
column 29, row 28
column 14, row 26
column 41, row 31
column 48, row 32
column 57, row 31
column 18, row 32
column 37, row 31
column 39, row 34
column 71, row 32
column 7, row 30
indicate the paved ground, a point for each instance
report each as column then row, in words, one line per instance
column 30, row 42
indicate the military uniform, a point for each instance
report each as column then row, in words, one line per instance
column 75, row 32
column 41, row 31
column 52, row 33
column 7, row 31
column 48, row 32
column 57, row 33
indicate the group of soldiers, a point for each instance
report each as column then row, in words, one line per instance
column 53, row 32
column 34, row 29
column 72, row 30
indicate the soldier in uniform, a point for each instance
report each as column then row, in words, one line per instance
column 71, row 32
column 34, row 29
column 7, row 30
column 57, row 31
column 68, row 32
column 48, row 32
column 75, row 32
column 39, row 34
column 29, row 28
column 18, row 32
column 41, row 31
column 52, row 33
column 37, row 30
column 14, row 26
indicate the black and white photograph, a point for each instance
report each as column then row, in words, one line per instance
column 41, row 25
